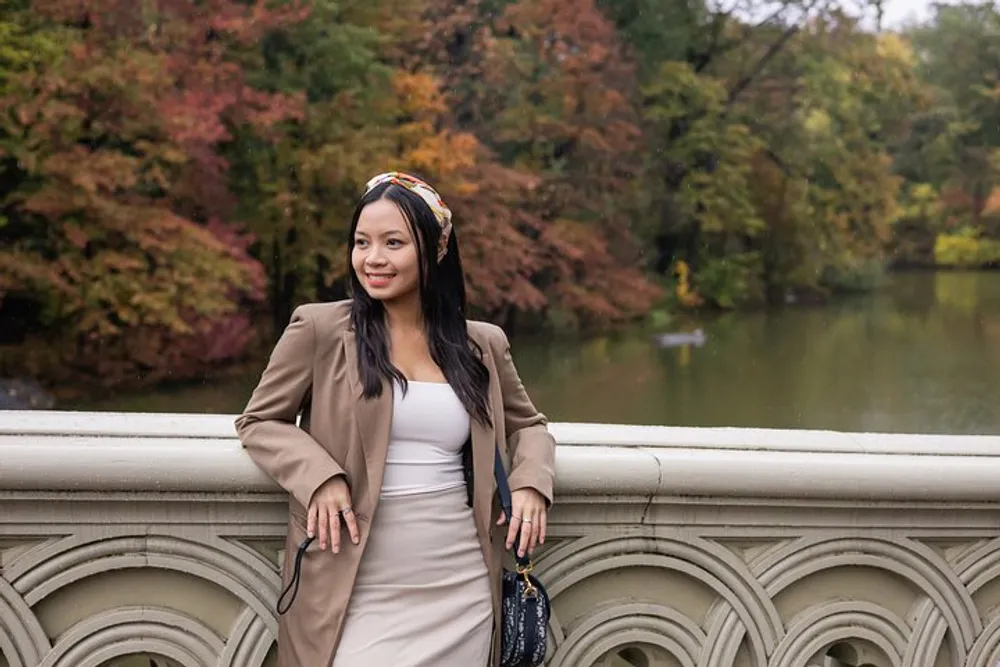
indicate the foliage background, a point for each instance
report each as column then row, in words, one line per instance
column 175, row 176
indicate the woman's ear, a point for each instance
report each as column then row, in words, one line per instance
column 443, row 242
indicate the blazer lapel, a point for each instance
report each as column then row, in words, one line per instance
column 374, row 417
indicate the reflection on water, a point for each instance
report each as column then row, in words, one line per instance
column 921, row 355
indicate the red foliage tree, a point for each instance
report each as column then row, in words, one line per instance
column 121, row 231
column 547, row 90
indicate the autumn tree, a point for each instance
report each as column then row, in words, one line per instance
column 364, row 114
column 546, row 88
column 760, row 176
column 169, row 170
column 954, row 150
column 853, row 92
column 118, row 245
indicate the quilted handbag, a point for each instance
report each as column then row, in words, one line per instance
column 525, row 604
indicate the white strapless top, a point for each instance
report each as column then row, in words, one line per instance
column 429, row 427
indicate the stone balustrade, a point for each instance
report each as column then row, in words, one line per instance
column 134, row 539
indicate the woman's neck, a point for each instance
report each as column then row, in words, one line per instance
column 404, row 316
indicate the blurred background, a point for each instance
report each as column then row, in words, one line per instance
column 684, row 212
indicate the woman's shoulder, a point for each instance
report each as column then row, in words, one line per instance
column 330, row 317
column 486, row 333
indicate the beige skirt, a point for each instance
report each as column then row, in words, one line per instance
column 422, row 594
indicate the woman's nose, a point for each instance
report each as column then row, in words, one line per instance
column 375, row 257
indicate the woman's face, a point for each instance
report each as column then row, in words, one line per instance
column 385, row 256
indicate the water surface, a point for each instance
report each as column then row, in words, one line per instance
column 921, row 354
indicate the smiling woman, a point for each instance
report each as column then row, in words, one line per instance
column 409, row 300
column 403, row 403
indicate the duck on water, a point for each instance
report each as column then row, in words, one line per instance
column 678, row 339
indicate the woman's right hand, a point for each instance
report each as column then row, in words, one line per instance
column 330, row 504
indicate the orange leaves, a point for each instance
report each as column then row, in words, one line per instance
column 444, row 153
column 992, row 205
column 595, row 283
column 424, row 143
column 77, row 237
column 418, row 95
column 423, row 146
column 547, row 92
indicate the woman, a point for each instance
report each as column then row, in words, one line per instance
column 403, row 403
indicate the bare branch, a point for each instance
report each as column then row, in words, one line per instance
column 773, row 50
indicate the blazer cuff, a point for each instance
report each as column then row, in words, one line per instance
column 537, row 482
column 310, row 482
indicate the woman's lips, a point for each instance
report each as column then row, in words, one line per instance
column 379, row 279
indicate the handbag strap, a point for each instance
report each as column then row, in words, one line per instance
column 506, row 503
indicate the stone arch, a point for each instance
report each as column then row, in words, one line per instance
column 725, row 634
column 979, row 566
column 248, row 643
column 710, row 563
column 912, row 561
column 224, row 567
column 826, row 624
column 25, row 559
column 23, row 641
column 986, row 651
column 929, row 631
column 121, row 632
column 621, row 623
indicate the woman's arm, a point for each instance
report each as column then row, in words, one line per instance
column 532, row 448
column 267, row 426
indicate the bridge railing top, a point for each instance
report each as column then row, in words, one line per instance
column 103, row 451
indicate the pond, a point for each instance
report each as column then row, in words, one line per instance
column 920, row 355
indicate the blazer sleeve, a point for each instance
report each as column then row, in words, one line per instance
column 267, row 427
column 532, row 448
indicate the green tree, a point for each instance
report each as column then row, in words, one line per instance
column 955, row 147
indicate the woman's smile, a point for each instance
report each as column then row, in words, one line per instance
column 379, row 279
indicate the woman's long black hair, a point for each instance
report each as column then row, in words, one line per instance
column 442, row 300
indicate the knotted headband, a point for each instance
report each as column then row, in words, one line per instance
column 415, row 185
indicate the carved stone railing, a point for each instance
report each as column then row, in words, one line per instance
column 154, row 535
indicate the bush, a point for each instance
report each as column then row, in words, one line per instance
column 965, row 250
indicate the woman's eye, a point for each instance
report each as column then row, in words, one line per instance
column 392, row 243
column 360, row 243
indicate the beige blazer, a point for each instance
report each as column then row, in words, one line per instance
column 313, row 371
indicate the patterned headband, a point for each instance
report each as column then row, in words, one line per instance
column 413, row 184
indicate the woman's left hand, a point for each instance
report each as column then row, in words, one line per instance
column 529, row 515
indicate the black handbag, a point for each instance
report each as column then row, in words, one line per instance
column 524, row 603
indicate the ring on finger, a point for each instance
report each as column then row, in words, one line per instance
column 525, row 520
column 346, row 510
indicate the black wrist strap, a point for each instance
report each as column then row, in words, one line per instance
column 293, row 585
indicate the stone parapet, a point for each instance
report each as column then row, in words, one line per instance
column 125, row 537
